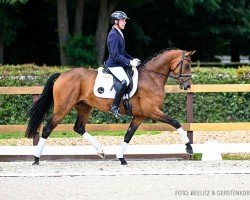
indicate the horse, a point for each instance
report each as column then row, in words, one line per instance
column 74, row 89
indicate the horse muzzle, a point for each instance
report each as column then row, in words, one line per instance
column 185, row 82
column 185, row 86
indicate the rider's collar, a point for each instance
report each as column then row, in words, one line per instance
column 119, row 31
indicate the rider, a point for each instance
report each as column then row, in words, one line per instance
column 118, row 59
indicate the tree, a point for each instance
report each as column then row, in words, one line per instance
column 79, row 16
column 29, row 32
column 13, row 1
column 227, row 21
column 8, row 25
column 235, row 17
column 105, row 10
column 63, row 28
column 191, row 26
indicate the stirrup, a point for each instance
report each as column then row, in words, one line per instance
column 115, row 111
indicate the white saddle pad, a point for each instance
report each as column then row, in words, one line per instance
column 103, row 87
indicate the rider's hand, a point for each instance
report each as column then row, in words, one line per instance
column 135, row 62
column 138, row 60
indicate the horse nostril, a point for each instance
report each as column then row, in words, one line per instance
column 186, row 86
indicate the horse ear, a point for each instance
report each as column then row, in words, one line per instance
column 190, row 53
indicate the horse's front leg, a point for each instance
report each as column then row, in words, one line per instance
column 160, row 116
column 135, row 123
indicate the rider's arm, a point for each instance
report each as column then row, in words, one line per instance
column 128, row 56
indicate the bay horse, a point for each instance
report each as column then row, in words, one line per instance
column 74, row 89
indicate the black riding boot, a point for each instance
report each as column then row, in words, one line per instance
column 118, row 96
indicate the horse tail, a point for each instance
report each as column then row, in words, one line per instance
column 41, row 107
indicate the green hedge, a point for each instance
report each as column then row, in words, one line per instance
column 208, row 107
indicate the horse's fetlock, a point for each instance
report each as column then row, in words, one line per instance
column 79, row 130
column 188, row 145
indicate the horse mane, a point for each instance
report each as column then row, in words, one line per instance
column 156, row 54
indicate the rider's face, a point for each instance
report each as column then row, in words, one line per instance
column 121, row 23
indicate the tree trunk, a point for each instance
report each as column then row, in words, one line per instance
column 234, row 49
column 1, row 51
column 63, row 28
column 105, row 10
column 79, row 16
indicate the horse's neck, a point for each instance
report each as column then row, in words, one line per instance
column 160, row 67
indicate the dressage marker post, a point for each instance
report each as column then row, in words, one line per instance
column 190, row 114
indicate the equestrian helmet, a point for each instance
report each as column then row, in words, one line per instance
column 117, row 15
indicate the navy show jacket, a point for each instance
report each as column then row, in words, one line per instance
column 117, row 54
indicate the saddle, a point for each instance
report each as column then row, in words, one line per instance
column 129, row 73
column 106, row 84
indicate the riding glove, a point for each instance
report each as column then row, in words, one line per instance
column 135, row 62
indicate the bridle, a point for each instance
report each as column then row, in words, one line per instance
column 180, row 75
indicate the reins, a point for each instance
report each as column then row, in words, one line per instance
column 155, row 72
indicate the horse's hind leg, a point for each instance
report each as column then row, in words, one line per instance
column 160, row 116
column 135, row 123
column 47, row 129
column 83, row 112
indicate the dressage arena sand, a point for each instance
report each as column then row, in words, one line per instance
column 139, row 180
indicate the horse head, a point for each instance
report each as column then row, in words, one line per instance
column 181, row 68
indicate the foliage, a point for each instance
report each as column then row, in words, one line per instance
column 13, row 1
column 244, row 72
column 198, row 156
column 29, row 70
column 208, row 107
column 9, row 24
column 80, row 50
column 153, row 25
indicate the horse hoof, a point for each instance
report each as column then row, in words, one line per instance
column 101, row 154
column 123, row 161
column 36, row 161
column 190, row 151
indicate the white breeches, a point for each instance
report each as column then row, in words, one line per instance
column 119, row 73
